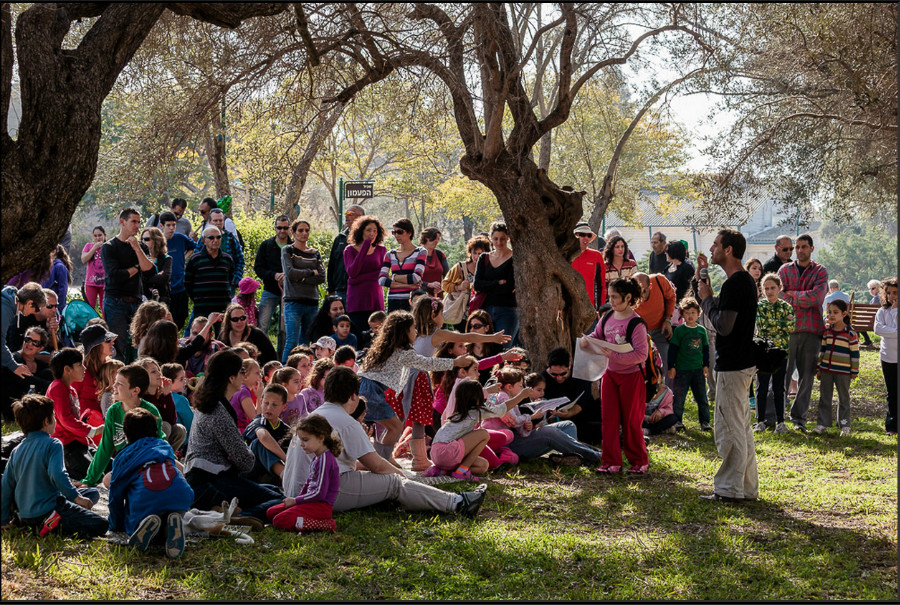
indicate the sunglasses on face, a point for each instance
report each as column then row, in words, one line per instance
column 476, row 326
column 145, row 239
column 239, row 318
column 398, row 231
column 52, row 306
column 582, row 234
column 555, row 374
column 213, row 237
column 32, row 341
column 791, row 249
column 285, row 228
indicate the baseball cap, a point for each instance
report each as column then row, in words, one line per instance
column 326, row 342
column 91, row 336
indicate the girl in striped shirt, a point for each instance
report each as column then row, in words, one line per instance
column 402, row 269
column 838, row 365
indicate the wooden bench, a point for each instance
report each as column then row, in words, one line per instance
column 862, row 317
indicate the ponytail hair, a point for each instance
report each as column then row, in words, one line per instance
column 318, row 426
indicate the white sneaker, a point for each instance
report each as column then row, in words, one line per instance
column 845, row 432
column 780, row 428
column 820, row 430
column 760, row 428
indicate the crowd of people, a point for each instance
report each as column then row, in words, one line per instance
column 171, row 405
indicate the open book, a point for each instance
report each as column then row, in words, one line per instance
column 548, row 405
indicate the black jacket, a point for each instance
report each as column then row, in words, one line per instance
column 335, row 272
column 267, row 264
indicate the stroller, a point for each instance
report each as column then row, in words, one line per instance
column 78, row 313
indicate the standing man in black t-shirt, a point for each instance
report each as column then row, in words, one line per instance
column 733, row 314
column 124, row 259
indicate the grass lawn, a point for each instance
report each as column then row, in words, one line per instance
column 824, row 528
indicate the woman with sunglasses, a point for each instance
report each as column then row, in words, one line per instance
column 156, row 283
column 402, row 269
column 494, row 277
column 235, row 329
column 15, row 387
column 303, row 272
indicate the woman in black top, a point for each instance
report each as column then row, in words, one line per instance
column 157, row 287
column 322, row 325
column 679, row 271
column 237, row 329
column 495, row 278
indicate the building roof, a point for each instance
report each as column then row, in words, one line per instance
column 767, row 236
column 682, row 215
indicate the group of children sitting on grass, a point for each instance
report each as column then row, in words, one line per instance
column 414, row 371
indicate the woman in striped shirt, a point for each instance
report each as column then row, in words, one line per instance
column 402, row 269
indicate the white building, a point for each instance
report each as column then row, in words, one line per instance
column 758, row 219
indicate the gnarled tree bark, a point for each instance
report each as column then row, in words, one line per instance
column 50, row 165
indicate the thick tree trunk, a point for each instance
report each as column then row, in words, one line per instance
column 48, row 168
column 554, row 307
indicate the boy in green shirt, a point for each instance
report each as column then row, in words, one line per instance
column 131, row 382
column 689, row 362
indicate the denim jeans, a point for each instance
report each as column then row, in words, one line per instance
column 298, row 318
column 75, row 519
column 694, row 381
column 267, row 305
column 762, row 393
column 210, row 490
column 118, row 314
column 506, row 319
column 551, row 437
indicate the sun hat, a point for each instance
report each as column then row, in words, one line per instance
column 583, row 227
column 93, row 335
column 248, row 285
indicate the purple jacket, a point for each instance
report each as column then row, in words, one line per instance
column 363, row 291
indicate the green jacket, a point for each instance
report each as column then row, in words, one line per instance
column 113, row 439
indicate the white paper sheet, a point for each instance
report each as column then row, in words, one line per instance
column 589, row 365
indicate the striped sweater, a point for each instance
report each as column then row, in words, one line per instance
column 206, row 281
column 410, row 270
column 840, row 352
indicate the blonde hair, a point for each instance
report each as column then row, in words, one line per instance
column 107, row 375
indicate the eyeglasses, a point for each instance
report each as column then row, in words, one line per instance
column 563, row 373
column 145, row 239
column 476, row 326
column 239, row 318
column 583, row 234
column 32, row 341
column 52, row 306
column 791, row 249
column 213, row 237
column 285, row 228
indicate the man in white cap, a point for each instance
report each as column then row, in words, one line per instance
column 590, row 265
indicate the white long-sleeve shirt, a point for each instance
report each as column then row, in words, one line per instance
column 886, row 327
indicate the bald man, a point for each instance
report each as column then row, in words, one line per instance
column 656, row 308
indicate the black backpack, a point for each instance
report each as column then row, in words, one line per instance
column 651, row 368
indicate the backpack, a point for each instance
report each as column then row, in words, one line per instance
column 651, row 368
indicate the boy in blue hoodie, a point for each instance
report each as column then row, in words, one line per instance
column 147, row 486
column 35, row 483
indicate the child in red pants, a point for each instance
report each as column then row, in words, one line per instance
column 311, row 509
column 622, row 390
